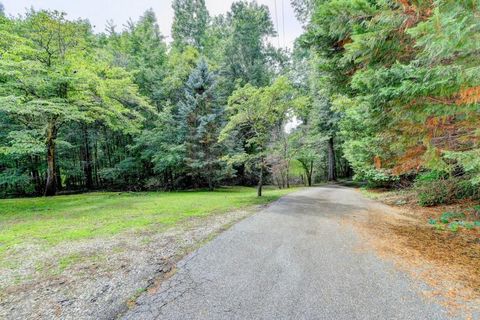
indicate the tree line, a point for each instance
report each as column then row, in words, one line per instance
column 397, row 86
column 386, row 91
column 125, row 110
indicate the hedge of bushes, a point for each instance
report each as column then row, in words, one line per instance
column 435, row 188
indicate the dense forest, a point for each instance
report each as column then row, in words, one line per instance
column 401, row 90
column 386, row 91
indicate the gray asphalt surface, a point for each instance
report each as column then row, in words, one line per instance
column 293, row 260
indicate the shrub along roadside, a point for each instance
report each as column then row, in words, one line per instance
column 435, row 188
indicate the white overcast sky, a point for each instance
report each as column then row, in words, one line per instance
column 99, row 11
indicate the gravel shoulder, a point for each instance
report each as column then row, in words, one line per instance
column 300, row 258
column 100, row 276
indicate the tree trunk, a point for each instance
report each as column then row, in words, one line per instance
column 287, row 161
column 87, row 160
column 51, row 185
column 210, row 183
column 172, row 180
column 96, row 163
column 59, row 177
column 107, row 147
column 308, row 170
column 331, row 161
column 36, row 181
column 310, row 180
column 278, row 182
column 287, row 174
column 260, row 182
column 310, row 174
column 36, row 176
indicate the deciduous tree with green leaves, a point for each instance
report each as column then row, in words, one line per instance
column 50, row 78
column 256, row 113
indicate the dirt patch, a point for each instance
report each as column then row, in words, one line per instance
column 448, row 262
column 100, row 278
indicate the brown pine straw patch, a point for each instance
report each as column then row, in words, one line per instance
column 449, row 263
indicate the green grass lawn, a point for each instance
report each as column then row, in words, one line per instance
column 65, row 218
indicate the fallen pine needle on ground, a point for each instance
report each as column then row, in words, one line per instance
column 449, row 262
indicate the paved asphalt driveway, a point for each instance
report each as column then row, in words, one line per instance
column 293, row 260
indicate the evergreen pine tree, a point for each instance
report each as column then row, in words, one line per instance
column 148, row 55
column 200, row 117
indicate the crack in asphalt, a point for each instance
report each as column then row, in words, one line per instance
column 175, row 288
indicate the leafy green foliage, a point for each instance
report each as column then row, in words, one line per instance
column 248, row 56
column 433, row 188
column 469, row 225
column 255, row 114
column 387, row 89
column 453, row 221
column 465, row 189
column 305, row 149
column 142, row 49
column 375, row 178
column 436, row 192
column 447, row 217
column 51, row 77
column 125, row 110
column 454, row 226
column 404, row 77
column 430, row 176
column 190, row 23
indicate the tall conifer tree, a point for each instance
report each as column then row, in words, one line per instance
column 189, row 23
column 201, row 120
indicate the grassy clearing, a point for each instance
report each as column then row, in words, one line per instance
column 50, row 221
